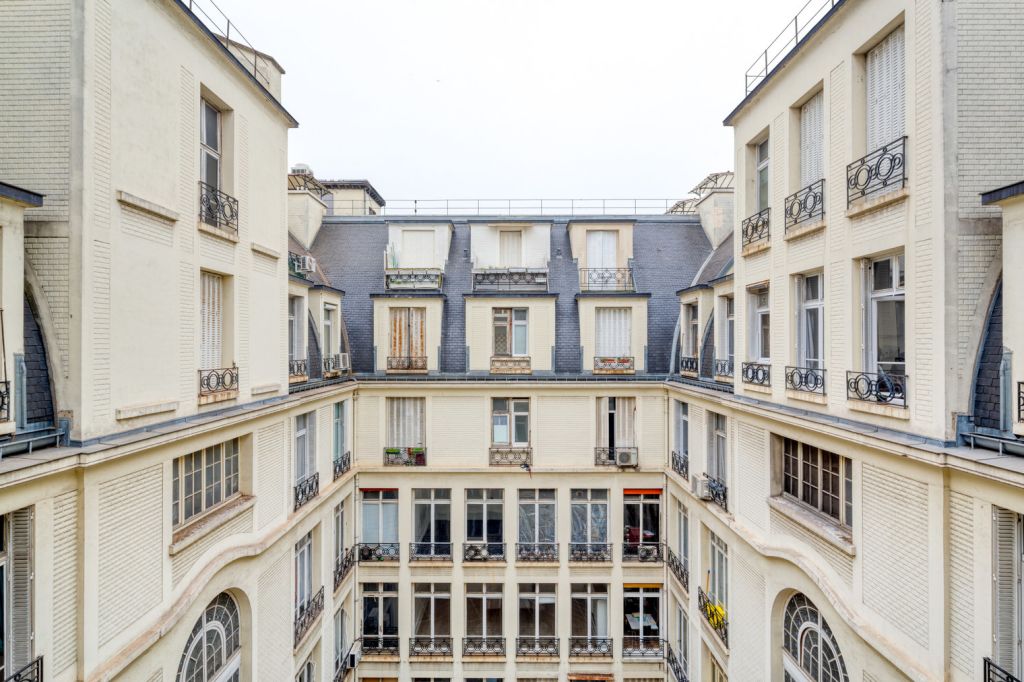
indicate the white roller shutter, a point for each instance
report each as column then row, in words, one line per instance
column 510, row 246
column 211, row 321
column 811, row 140
column 1006, row 567
column 417, row 249
column 886, row 91
column 613, row 331
column 625, row 420
column 405, row 422
column 21, row 587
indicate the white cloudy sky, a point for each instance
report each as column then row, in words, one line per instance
column 513, row 98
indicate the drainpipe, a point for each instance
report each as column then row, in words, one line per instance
column 1006, row 397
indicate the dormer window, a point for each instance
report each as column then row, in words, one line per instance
column 510, row 332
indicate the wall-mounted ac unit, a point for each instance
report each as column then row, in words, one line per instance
column 308, row 264
column 700, row 487
column 626, row 458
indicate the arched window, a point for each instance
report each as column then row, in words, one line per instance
column 811, row 651
column 213, row 652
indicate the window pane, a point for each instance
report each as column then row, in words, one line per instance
column 500, row 430
column 579, row 523
column 881, row 275
column 519, row 339
column 522, row 426
column 211, row 127
column 890, row 333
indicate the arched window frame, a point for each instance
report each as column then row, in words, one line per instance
column 810, row 650
column 220, row 622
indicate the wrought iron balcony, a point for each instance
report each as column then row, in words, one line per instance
column 674, row 664
column 306, row 614
column 483, row 551
column 723, row 368
column 580, row 647
column 806, row 379
column 806, row 205
column 680, row 567
column 483, row 646
column 757, row 373
column 336, row 363
column 5, row 401
column 537, row 646
column 537, row 551
column 643, row 647
column 380, row 645
column 714, row 490
column 407, row 363
column 610, row 457
column 378, row 551
column 342, row 464
column 306, row 490
column 510, row 279
column 217, row 209
column 501, row 455
column 430, row 646
column 606, row 279
column 343, row 566
column 681, row 464
column 757, row 228
column 883, row 388
column 1020, row 402
column 689, row 363
column 215, row 381
column 405, row 457
column 644, row 552
column 714, row 614
column 511, row 364
column 30, row 672
column 590, row 552
column 614, row 364
column 880, row 172
column 413, row 278
column 995, row 673
column 347, row 662
column 298, row 368
column 430, row 551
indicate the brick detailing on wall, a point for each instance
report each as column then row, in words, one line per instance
column 186, row 559
column 752, row 470
column 554, row 441
column 564, row 277
column 99, row 126
column 49, row 258
column 869, row 677
column 130, row 549
column 961, row 582
column 65, row 597
column 922, row 148
column 216, row 249
column 922, row 386
column 875, row 227
column 651, row 417
column 458, row 280
column 100, row 336
column 242, row 186
column 188, row 357
column 987, row 396
column 270, row 467
column 188, row 143
column 265, row 265
column 836, row 291
column 38, row 398
column 747, row 626
column 274, row 615
column 979, row 258
column 841, row 562
column 895, row 550
column 146, row 226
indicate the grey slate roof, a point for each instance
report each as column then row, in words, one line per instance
column 987, row 399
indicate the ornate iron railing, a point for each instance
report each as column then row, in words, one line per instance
column 213, row 381
column 806, row 205
column 483, row 551
column 634, row 646
column 883, row 170
column 884, row 388
column 483, row 646
column 381, row 645
column 1020, row 402
column 757, row 373
column 590, row 551
column 405, row 456
column 298, row 368
column 347, row 662
column 510, row 456
column 610, row 457
column 30, row 672
column 407, row 363
column 681, row 464
column 430, row 551
column 723, row 368
column 307, row 489
column 756, row 228
column 537, row 646
column 714, row 614
column 342, row 465
column 510, row 364
column 343, row 566
column 510, row 279
column 678, row 672
column 680, row 567
column 217, row 209
column 644, row 552
column 5, row 401
column 613, row 365
column 412, row 278
column 718, row 491
column 430, row 646
column 606, row 279
column 537, row 551
column 995, row 673
column 306, row 614
column 378, row 551
column 689, row 363
column 806, row 379
column 591, row 646
column 337, row 362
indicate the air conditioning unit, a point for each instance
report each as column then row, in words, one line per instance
column 308, row 264
column 353, row 660
column 626, row 458
column 700, row 487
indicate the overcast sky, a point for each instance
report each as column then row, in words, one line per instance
column 513, row 98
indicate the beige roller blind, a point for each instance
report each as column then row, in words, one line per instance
column 211, row 321
column 510, row 247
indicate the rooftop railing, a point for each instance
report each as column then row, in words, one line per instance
column 508, row 207
column 227, row 32
column 809, row 16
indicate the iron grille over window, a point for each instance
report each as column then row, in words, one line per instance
column 806, row 206
column 217, row 209
column 880, row 172
column 756, row 228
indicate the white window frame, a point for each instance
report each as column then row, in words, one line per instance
column 339, row 533
column 760, row 309
column 683, row 531
column 296, row 348
column 642, row 594
column 491, row 501
column 517, row 411
column 340, row 637
column 514, row 319
column 207, row 151
column 589, row 501
column 691, row 332
column 305, row 446
column 433, row 499
column 682, row 427
column 718, row 570
column 718, row 446
column 374, row 503
column 211, row 303
column 620, row 348
column 485, row 593
column 730, row 328
column 806, row 306
column 762, row 163
column 218, row 477
column 329, row 311
column 339, row 429
column 540, row 594
column 804, row 480
column 303, row 573
column 896, row 292
column 812, row 139
column 435, row 594
column 587, row 593
column 537, row 499
column 683, row 637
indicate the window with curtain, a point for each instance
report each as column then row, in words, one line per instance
column 339, row 430
column 616, row 422
column 484, row 515
column 432, row 610
column 682, row 427
column 718, row 446
column 328, row 339
column 405, row 422
column 295, row 346
column 432, row 521
column 811, row 321
column 380, row 516
column 691, row 331
column 613, row 332
column 886, row 343
column 536, row 610
column 761, row 329
column 305, row 446
column 303, row 573
column 510, row 332
column 537, row 516
column 339, row 532
column 718, row 571
column 762, row 153
column 510, row 248
column 380, row 615
column 589, row 609
column 210, row 145
column 589, row 509
column 483, row 609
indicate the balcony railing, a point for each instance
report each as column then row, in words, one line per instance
column 610, row 457
column 430, row 646
column 343, row 566
column 590, row 552
column 306, row 614
column 806, row 379
column 883, row 388
column 634, row 646
column 378, row 551
column 715, row 491
column 214, row 381
column 483, row 646
column 348, row 661
column 675, row 665
column 756, row 228
column 537, row 646
column 606, row 279
column 297, row 265
column 510, row 364
column 405, row 457
column 995, row 673
column 407, row 363
column 430, row 551
column 680, row 567
column 510, row 279
column 880, row 172
column 342, row 464
column 806, row 206
column 644, row 552
column 614, row 364
column 714, row 614
column 580, row 647
column 1020, row 402
column 336, row 363
column 689, row 363
column 756, row 373
column 30, row 672
column 681, row 464
column 537, row 551
column 306, row 490
column 483, row 551
column 380, row 645
column 298, row 368
column 217, row 209
column 723, row 368
column 500, row 455
column 413, row 278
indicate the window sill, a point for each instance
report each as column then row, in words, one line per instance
column 136, row 411
column 226, row 235
column 798, row 231
column 218, row 397
column 297, row 379
column 687, row 373
column 724, row 378
column 826, row 529
column 140, row 204
column 756, row 247
column 198, row 528
column 893, row 411
column 865, row 206
column 807, row 397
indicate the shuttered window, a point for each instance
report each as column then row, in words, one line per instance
column 886, row 91
column 510, row 248
column 405, row 422
column 616, row 422
column 1006, row 574
column 811, row 140
column 407, row 332
column 211, row 313
column 613, row 332
column 18, row 640
column 305, row 446
column 295, row 350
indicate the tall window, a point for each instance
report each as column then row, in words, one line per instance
column 763, row 194
column 613, row 330
column 641, row 517
column 303, row 573
column 589, row 516
column 510, row 332
column 536, row 516
column 408, row 338
column 761, row 327
column 340, row 638
column 307, row 673
column 380, row 516
column 602, row 249
column 811, row 344
column 810, row 650
column 683, row 529
column 682, row 427
column 329, row 311
column 510, row 248
column 380, row 616
column 210, row 145
column 510, row 422
column 305, row 446
column 718, row 447
column 483, row 609
column 718, row 570
column 339, row 430
column 683, row 637
column 431, row 612
column 405, row 422
column 819, row 479
column 484, row 516
column 211, row 352
column 1008, row 598
column 642, row 611
column 202, row 480
column 691, row 341
column 432, row 521
column 886, row 347
column 339, row 533
column 812, row 136
column 295, row 346
column 616, row 419
column 886, row 91
column 730, row 328
column 536, row 610
column 213, row 651
column 589, row 606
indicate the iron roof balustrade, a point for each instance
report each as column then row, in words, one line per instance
column 723, row 368
column 689, row 364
